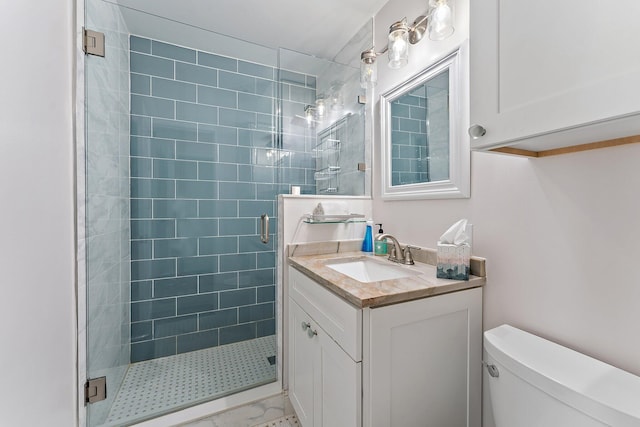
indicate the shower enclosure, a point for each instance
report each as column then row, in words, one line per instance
column 189, row 138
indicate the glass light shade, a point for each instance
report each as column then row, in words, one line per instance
column 308, row 114
column 336, row 98
column 368, row 69
column 398, row 45
column 368, row 75
column 441, row 21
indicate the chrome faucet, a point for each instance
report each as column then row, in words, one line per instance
column 397, row 254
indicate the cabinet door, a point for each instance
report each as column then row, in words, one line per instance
column 425, row 362
column 324, row 382
column 340, row 383
column 552, row 68
column 302, row 356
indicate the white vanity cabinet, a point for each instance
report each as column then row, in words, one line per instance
column 413, row 363
column 554, row 74
column 325, row 368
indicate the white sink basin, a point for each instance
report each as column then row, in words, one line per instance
column 367, row 270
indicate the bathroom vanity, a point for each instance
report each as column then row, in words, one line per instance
column 378, row 353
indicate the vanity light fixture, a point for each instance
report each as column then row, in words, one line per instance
column 309, row 114
column 398, row 44
column 438, row 21
column 315, row 112
column 336, row 97
column 441, row 22
column 320, row 107
column 368, row 68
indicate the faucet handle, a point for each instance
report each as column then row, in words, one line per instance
column 392, row 254
column 408, row 256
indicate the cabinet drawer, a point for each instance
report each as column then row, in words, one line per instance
column 341, row 320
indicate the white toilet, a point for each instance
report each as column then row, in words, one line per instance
column 534, row 382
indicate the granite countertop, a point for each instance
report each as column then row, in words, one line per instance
column 385, row 292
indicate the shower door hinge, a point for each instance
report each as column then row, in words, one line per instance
column 95, row 390
column 93, row 43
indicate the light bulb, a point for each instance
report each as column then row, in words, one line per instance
column 308, row 114
column 368, row 75
column 336, row 99
column 398, row 46
column 320, row 107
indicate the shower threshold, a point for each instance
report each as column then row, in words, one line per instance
column 158, row 386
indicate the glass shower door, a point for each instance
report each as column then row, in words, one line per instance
column 181, row 164
column 107, row 206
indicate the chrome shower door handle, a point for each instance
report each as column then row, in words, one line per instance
column 264, row 228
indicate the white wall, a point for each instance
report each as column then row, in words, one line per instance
column 37, row 317
column 560, row 234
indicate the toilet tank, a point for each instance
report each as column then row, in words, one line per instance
column 538, row 383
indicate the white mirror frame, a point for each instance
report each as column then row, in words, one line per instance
column 459, row 183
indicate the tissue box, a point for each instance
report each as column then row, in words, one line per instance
column 453, row 261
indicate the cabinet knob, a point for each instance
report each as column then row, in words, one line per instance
column 312, row 333
column 305, row 325
column 477, row 131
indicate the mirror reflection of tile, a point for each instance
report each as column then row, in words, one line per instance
column 420, row 133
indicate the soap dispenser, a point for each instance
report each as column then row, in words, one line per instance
column 380, row 246
column 367, row 243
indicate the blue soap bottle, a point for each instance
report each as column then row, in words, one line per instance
column 367, row 243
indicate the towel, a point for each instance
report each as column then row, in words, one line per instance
column 333, row 208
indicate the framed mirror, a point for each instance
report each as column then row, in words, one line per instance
column 425, row 152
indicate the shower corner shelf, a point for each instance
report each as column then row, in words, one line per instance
column 333, row 219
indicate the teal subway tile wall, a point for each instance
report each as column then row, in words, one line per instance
column 206, row 162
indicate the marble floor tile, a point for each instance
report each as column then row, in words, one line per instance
column 286, row 421
column 252, row 414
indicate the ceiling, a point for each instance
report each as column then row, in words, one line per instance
column 320, row 28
